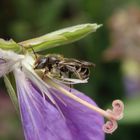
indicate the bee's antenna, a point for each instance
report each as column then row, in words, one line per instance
column 34, row 52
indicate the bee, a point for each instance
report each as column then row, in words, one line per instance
column 63, row 69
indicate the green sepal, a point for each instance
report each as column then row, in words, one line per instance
column 9, row 45
column 11, row 92
column 60, row 37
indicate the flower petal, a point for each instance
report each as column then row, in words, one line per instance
column 42, row 120
column 83, row 123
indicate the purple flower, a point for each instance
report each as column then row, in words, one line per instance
column 65, row 119
column 50, row 112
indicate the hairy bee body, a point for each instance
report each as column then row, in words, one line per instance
column 60, row 68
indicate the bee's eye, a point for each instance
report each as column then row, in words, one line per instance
column 43, row 60
column 40, row 63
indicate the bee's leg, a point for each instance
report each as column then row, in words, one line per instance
column 43, row 76
column 45, row 73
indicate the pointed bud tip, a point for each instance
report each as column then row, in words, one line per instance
column 95, row 26
column 98, row 26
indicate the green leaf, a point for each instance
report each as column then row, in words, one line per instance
column 9, row 45
column 11, row 92
column 131, row 111
column 60, row 37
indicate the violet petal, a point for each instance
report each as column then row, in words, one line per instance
column 84, row 123
column 43, row 121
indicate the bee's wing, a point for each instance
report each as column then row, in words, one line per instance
column 70, row 68
column 71, row 61
column 86, row 63
column 67, row 61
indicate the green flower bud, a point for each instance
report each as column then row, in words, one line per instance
column 60, row 37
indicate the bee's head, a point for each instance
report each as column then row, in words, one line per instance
column 47, row 61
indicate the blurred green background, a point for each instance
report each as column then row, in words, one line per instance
column 25, row 19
